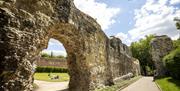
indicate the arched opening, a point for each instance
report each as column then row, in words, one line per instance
column 51, row 69
column 73, row 42
column 87, row 55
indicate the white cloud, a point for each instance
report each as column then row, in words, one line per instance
column 174, row 2
column 105, row 15
column 122, row 36
column 155, row 17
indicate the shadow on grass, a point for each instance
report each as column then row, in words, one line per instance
column 171, row 80
column 176, row 82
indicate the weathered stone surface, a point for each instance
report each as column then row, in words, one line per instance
column 161, row 46
column 121, row 60
column 25, row 29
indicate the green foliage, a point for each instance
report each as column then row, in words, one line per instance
column 149, row 71
column 52, row 54
column 60, row 56
column 172, row 62
column 141, row 51
column 176, row 43
column 45, row 55
column 42, row 69
column 178, row 25
column 177, row 20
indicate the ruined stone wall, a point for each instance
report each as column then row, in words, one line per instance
column 25, row 29
column 121, row 60
column 160, row 47
column 55, row 62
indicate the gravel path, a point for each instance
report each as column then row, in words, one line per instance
column 143, row 84
column 51, row 86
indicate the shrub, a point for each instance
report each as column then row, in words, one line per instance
column 176, row 43
column 45, row 55
column 172, row 62
column 48, row 69
column 61, row 56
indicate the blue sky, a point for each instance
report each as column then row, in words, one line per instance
column 129, row 20
column 125, row 17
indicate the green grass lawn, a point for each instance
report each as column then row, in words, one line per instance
column 168, row 84
column 45, row 77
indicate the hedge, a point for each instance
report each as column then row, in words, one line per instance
column 172, row 62
column 44, row 69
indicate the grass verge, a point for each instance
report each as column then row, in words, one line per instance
column 119, row 85
column 45, row 77
column 168, row 84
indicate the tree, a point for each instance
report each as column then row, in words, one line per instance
column 172, row 61
column 141, row 51
column 61, row 56
column 45, row 55
column 52, row 55
column 176, row 43
column 177, row 19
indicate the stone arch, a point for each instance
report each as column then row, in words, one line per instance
column 83, row 56
column 26, row 27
